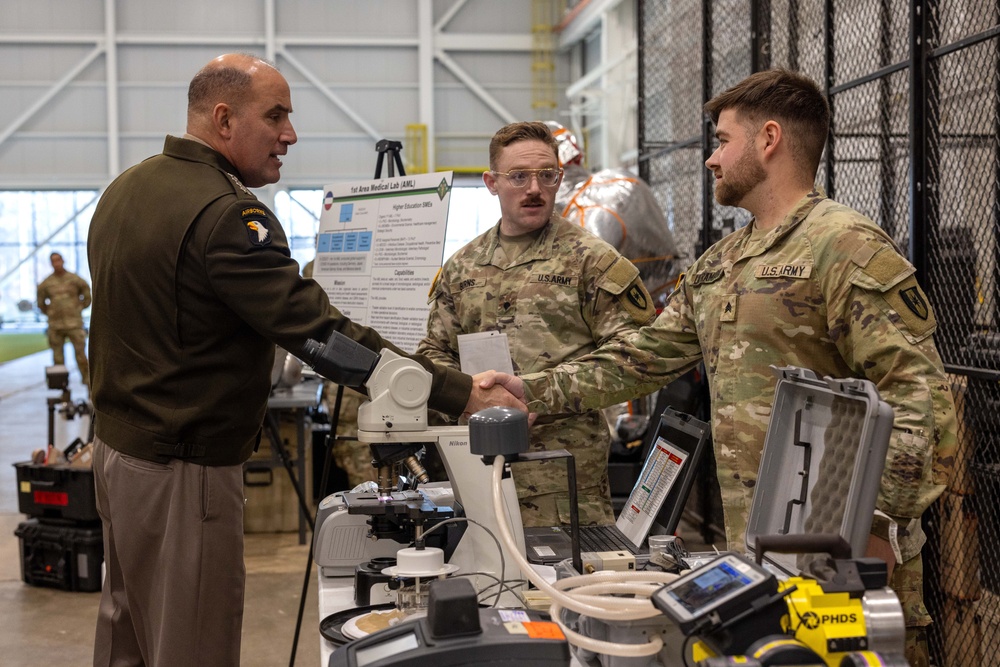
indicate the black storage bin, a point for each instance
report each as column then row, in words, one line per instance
column 56, row 492
column 61, row 556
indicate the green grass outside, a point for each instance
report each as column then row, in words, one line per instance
column 17, row 345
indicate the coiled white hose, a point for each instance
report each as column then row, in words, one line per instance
column 592, row 595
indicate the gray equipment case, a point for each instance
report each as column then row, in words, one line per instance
column 822, row 462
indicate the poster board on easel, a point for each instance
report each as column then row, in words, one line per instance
column 380, row 244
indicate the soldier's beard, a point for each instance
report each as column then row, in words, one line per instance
column 737, row 181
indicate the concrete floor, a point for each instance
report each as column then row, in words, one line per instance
column 47, row 626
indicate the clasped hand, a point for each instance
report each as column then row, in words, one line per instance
column 494, row 389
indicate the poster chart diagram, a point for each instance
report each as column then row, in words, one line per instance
column 380, row 244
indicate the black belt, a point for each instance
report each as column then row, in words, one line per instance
column 178, row 450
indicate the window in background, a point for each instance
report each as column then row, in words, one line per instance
column 298, row 211
column 473, row 210
column 34, row 224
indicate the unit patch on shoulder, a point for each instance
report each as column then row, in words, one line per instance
column 637, row 303
column 637, row 296
column 915, row 312
column 914, row 300
column 255, row 219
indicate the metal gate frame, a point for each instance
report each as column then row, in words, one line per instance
column 928, row 100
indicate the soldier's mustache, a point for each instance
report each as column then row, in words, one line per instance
column 533, row 201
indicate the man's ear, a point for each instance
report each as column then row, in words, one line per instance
column 772, row 136
column 491, row 182
column 222, row 120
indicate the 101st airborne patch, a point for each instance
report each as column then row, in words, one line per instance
column 255, row 219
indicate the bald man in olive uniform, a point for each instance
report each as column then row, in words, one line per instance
column 194, row 287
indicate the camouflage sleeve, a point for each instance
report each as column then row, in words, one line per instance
column 883, row 326
column 440, row 344
column 85, row 297
column 623, row 368
column 41, row 297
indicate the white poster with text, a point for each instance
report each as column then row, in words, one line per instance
column 380, row 244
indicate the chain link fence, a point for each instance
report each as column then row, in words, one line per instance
column 914, row 89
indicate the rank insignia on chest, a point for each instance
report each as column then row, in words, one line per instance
column 728, row 313
column 255, row 220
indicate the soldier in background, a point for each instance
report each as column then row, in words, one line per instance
column 558, row 292
column 62, row 297
column 810, row 283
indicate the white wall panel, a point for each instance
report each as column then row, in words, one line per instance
column 389, row 18
column 354, row 69
column 190, row 17
column 79, row 108
column 49, row 16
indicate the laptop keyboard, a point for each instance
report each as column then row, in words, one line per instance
column 603, row 538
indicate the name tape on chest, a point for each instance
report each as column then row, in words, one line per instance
column 706, row 277
column 555, row 279
column 468, row 283
column 800, row 271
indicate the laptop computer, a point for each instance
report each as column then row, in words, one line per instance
column 658, row 496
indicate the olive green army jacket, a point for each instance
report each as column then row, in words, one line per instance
column 194, row 285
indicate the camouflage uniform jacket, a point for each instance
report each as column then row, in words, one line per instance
column 825, row 290
column 62, row 299
column 564, row 296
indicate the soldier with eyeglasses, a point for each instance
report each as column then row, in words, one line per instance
column 558, row 292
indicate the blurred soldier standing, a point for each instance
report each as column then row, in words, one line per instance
column 558, row 292
column 62, row 297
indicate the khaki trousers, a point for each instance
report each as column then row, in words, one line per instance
column 173, row 552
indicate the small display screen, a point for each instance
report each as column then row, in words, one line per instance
column 713, row 584
column 375, row 652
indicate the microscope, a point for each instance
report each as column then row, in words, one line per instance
column 358, row 527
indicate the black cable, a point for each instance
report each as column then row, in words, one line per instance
column 798, row 614
column 684, row 650
column 501, row 585
column 503, row 563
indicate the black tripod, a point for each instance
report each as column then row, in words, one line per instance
column 392, row 148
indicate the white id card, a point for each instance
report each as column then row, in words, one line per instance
column 484, row 351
